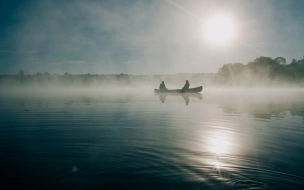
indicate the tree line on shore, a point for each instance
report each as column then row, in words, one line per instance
column 263, row 71
column 91, row 80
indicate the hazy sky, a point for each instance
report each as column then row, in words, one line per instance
column 143, row 37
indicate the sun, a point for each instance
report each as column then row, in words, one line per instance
column 219, row 30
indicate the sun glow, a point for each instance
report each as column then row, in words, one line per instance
column 217, row 165
column 219, row 144
column 219, row 30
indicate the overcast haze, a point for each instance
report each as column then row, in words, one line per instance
column 142, row 37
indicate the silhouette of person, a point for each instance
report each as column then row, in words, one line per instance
column 186, row 87
column 162, row 86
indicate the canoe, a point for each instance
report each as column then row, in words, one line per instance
column 190, row 90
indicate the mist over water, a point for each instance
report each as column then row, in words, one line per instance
column 130, row 137
column 80, row 109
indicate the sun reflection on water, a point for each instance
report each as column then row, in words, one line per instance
column 219, row 143
column 217, row 164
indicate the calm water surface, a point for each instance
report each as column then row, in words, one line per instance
column 91, row 139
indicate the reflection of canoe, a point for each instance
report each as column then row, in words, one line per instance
column 163, row 95
column 195, row 95
column 190, row 90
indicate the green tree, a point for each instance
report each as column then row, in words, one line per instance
column 280, row 60
column 47, row 74
column 293, row 62
column 21, row 73
column 231, row 69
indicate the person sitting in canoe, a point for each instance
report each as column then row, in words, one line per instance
column 162, row 86
column 186, row 87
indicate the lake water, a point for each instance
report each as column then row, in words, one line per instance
column 122, row 139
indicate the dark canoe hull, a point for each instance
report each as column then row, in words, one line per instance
column 190, row 90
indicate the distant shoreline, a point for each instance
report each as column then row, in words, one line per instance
column 262, row 72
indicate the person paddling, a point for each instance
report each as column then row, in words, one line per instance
column 162, row 86
column 186, row 87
